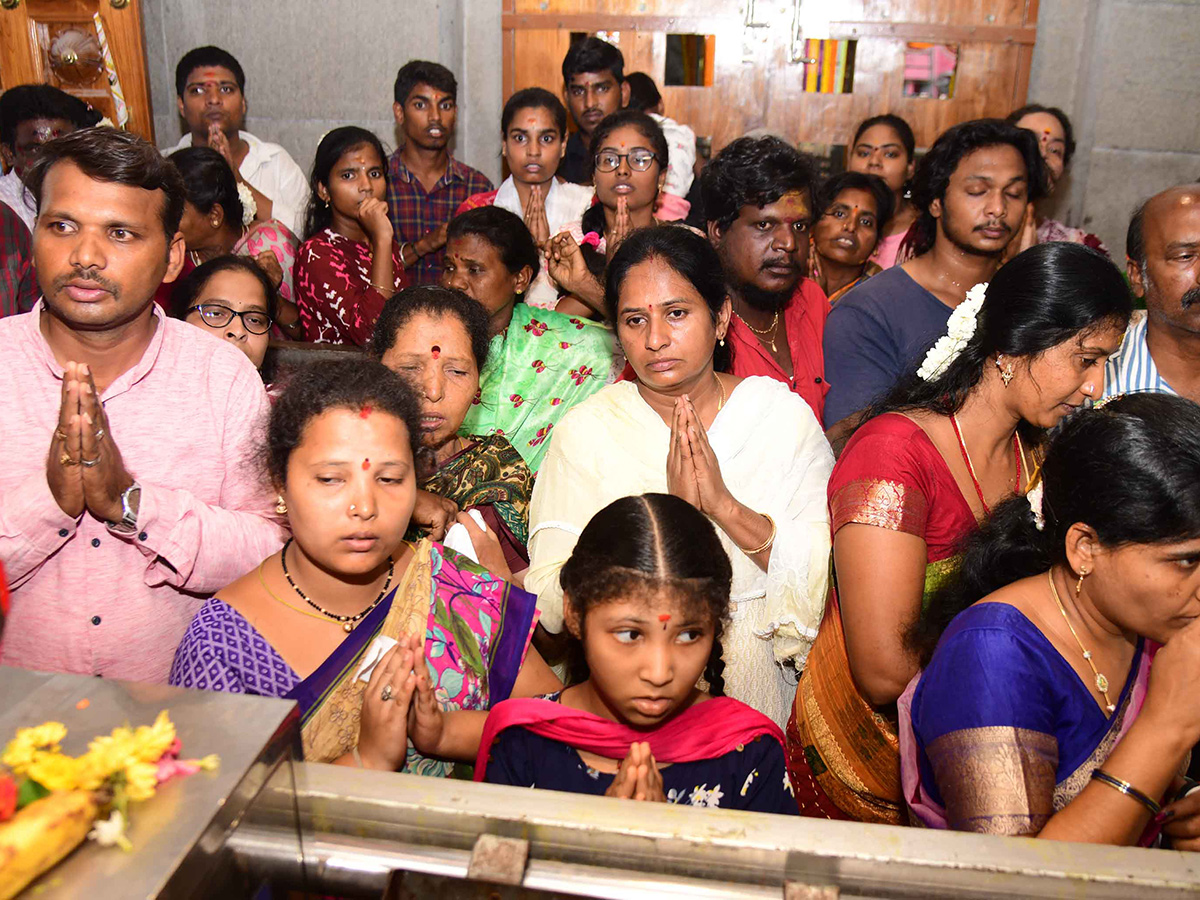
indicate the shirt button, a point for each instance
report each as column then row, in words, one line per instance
column 818, row 380
column 62, row 532
column 95, row 620
column 142, row 536
column 95, row 542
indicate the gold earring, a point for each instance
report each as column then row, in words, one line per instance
column 281, row 506
column 1006, row 372
column 1079, row 584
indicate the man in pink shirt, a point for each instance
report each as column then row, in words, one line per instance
column 128, row 488
column 758, row 198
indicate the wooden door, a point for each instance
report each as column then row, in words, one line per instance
column 58, row 42
column 760, row 64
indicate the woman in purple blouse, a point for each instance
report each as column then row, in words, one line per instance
column 336, row 620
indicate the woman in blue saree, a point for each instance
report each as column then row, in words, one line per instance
column 1037, row 713
column 335, row 619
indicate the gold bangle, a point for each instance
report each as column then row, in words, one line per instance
column 387, row 292
column 767, row 543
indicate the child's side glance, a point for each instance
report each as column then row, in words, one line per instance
column 646, row 593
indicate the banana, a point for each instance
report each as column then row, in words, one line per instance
column 40, row 835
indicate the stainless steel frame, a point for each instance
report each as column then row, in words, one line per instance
column 359, row 826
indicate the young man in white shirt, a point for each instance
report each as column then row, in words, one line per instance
column 211, row 87
column 31, row 115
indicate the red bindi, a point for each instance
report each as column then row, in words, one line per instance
column 436, row 351
column 664, row 618
column 365, row 411
column 366, row 464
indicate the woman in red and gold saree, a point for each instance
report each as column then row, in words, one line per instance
column 842, row 750
column 942, row 450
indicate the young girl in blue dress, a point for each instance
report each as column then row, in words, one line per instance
column 646, row 593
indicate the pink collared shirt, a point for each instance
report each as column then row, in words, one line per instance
column 187, row 417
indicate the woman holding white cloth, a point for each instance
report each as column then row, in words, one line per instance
column 746, row 452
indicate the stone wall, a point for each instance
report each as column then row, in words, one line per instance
column 1127, row 72
column 312, row 65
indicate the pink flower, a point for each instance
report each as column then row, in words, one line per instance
column 591, row 239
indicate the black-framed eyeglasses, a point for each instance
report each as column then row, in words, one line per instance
column 214, row 315
column 639, row 160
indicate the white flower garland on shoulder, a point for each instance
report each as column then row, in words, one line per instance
column 959, row 330
column 249, row 206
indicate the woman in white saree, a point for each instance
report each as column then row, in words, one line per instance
column 747, row 452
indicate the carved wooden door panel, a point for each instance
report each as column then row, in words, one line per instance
column 90, row 48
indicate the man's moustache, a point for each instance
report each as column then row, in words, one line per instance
column 779, row 264
column 1190, row 298
column 86, row 275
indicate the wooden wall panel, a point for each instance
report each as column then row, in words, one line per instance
column 754, row 84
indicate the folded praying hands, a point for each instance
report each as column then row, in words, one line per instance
column 535, row 217
column 638, row 777
column 693, row 472
column 84, row 467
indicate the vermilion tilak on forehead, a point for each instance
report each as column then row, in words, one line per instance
column 366, row 464
column 365, row 411
column 435, row 351
column 664, row 618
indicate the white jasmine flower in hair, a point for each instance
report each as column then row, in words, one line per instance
column 249, row 207
column 960, row 328
column 105, row 122
column 1034, row 498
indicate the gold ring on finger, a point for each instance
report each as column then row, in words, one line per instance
column 66, row 460
column 386, row 694
column 59, row 434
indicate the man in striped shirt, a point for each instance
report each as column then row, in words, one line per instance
column 1161, row 350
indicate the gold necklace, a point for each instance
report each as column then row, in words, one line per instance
column 771, row 331
column 278, row 599
column 721, row 388
column 1101, row 680
column 347, row 622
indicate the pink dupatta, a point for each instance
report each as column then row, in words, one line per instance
column 706, row 730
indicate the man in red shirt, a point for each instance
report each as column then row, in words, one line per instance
column 758, row 198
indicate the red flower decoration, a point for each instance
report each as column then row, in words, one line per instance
column 8, row 798
column 517, row 400
column 581, row 374
column 556, row 401
column 575, row 322
column 541, row 435
column 536, row 328
column 538, row 366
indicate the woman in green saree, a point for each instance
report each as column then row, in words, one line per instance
column 953, row 440
column 340, row 619
column 540, row 363
column 437, row 340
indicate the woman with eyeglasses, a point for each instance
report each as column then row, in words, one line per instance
column 232, row 298
column 629, row 168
